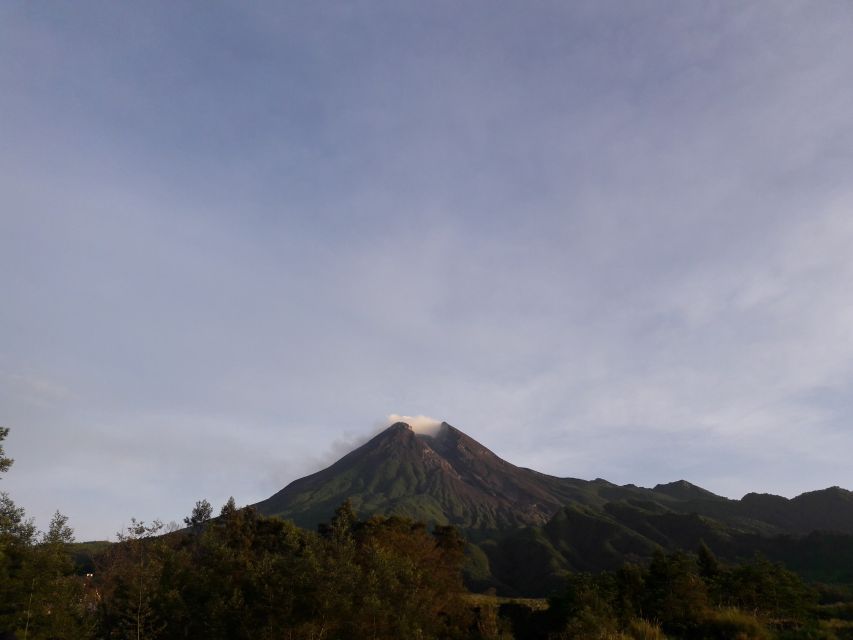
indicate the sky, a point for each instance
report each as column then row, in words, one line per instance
column 605, row 239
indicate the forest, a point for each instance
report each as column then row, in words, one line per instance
column 240, row 575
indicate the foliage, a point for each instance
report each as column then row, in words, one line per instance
column 128, row 583
column 681, row 595
column 201, row 513
column 39, row 595
column 5, row 462
column 244, row 576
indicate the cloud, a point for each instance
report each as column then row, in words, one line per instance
column 423, row 425
column 36, row 389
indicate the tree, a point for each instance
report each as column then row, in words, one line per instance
column 340, row 529
column 13, row 522
column 5, row 462
column 40, row 597
column 57, row 605
column 17, row 535
column 202, row 512
column 675, row 594
column 630, row 589
column 709, row 566
column 129, row 582
column 583, row 609
column 766, row 589
column 228, row 509
column 58, row 531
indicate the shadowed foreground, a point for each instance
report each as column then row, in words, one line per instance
column 243, row 575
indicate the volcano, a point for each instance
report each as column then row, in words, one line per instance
column 444, row 478
column 447, row 477
column 527, row 528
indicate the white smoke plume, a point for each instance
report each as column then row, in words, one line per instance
column 420, row 424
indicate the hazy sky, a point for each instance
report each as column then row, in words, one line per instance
column 606, row 239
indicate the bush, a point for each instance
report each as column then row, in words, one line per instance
column 640, row 629
column 732, row 624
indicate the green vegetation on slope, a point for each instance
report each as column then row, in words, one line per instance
column 530, row 561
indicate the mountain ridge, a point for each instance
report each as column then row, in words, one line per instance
column 451, row 478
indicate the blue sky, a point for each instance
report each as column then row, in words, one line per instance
column 605, row 239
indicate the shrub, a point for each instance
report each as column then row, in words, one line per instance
column 732, row 624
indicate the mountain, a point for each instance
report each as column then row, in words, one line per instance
column 450, row 478
column 527, row 529
column 444, row 478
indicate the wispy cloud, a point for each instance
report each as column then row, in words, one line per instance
column 34, row 389
column 419, row 424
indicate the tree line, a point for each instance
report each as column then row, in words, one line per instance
column 684, row 595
